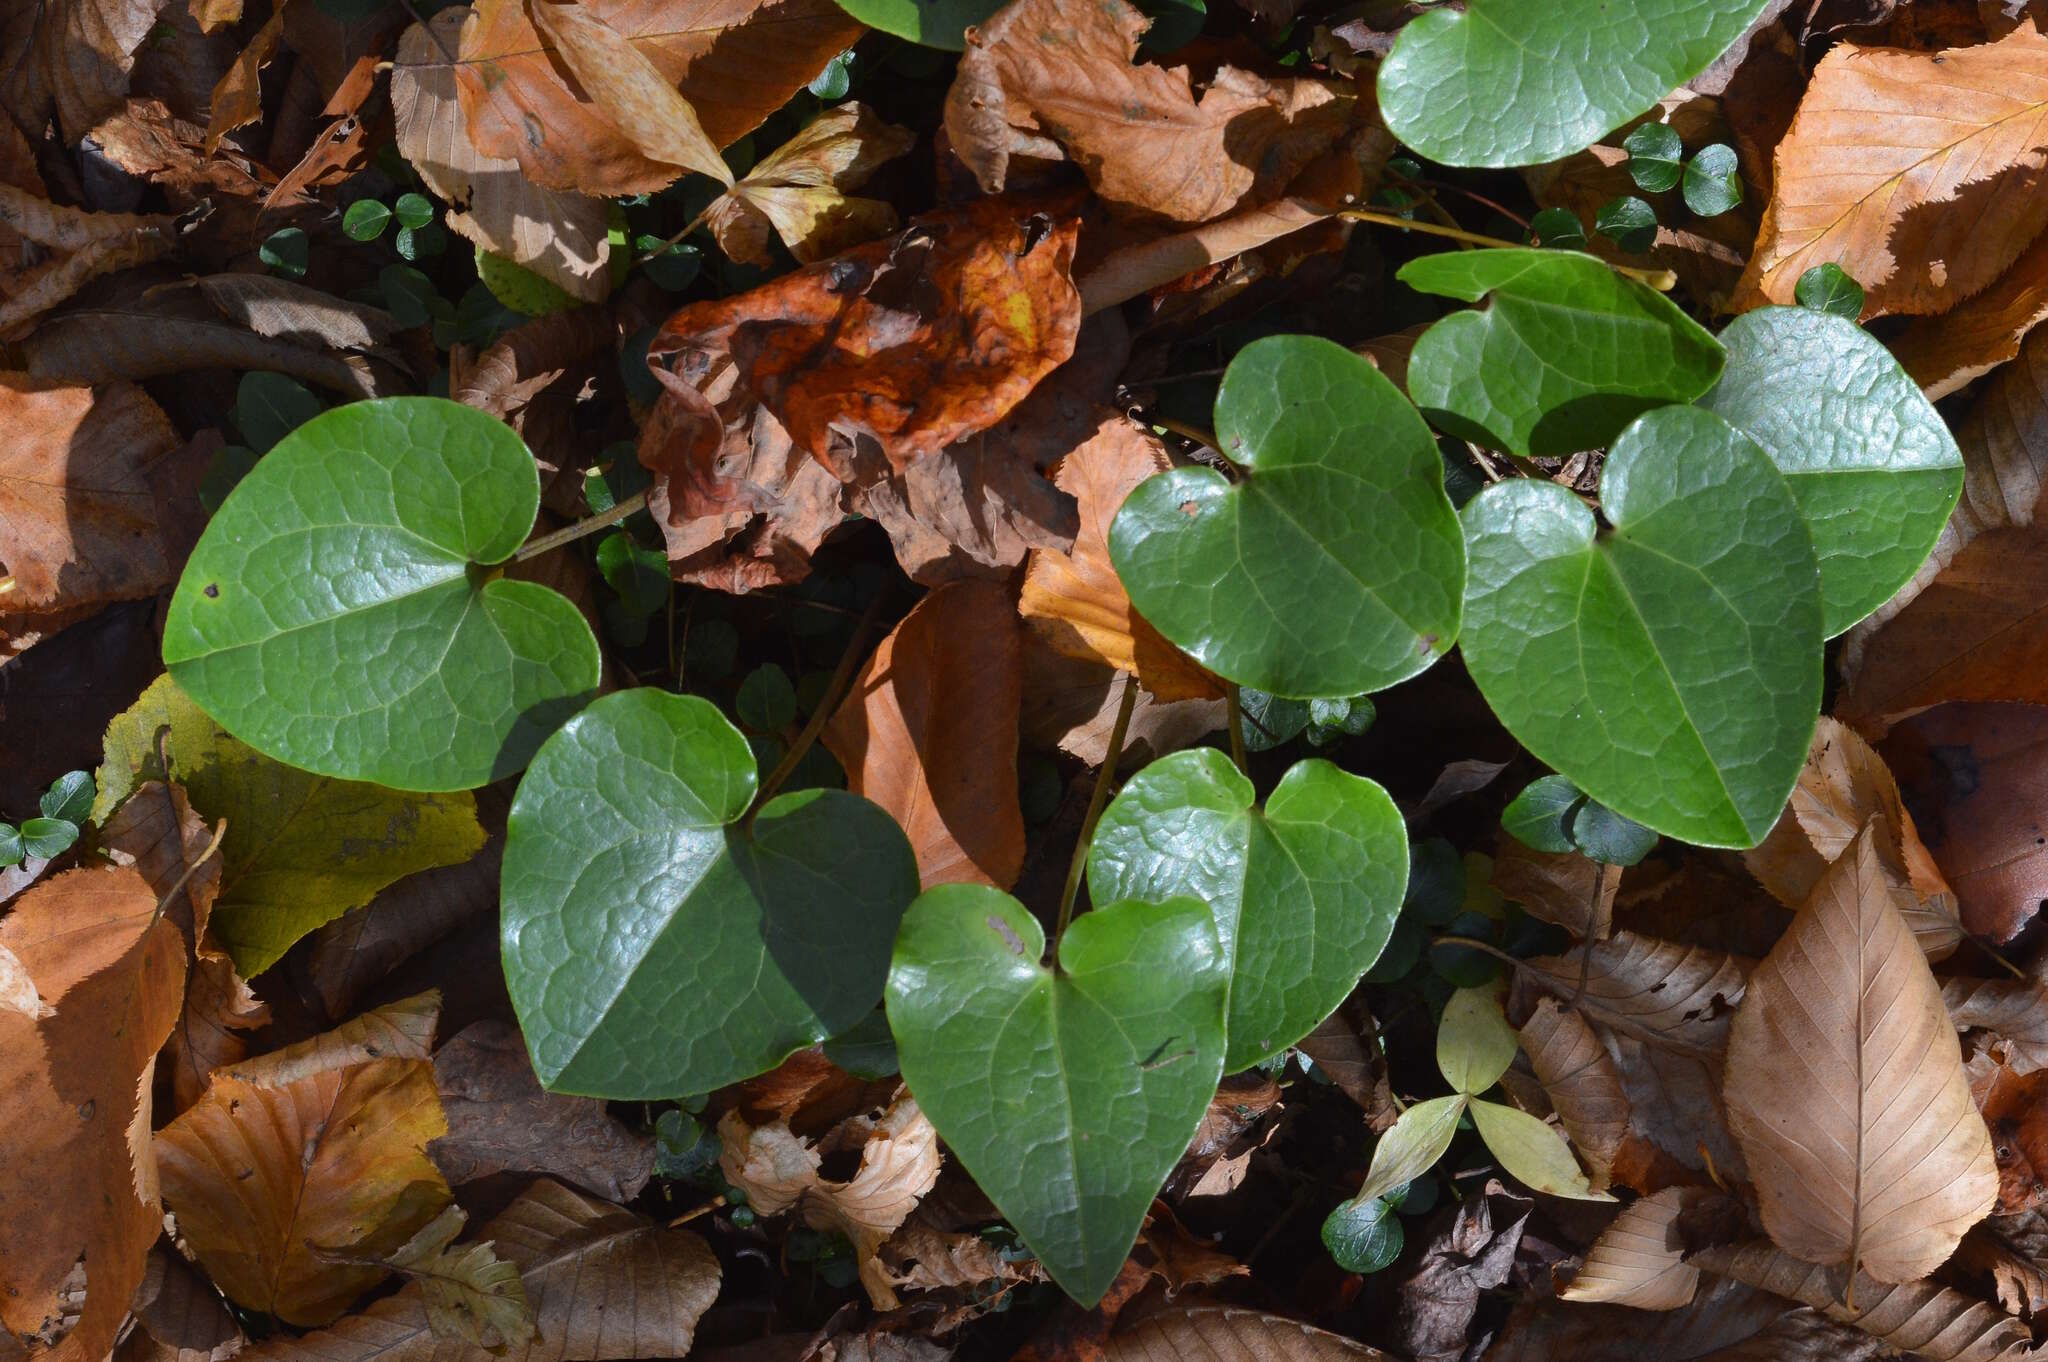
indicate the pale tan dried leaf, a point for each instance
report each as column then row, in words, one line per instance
column 400, row 1030
column 271, row 306
column 921, row 1258
column 63, row 228
column 899, row 1163
column 1918, row 173
column 1920, row 1318
column 1581, row 1082
column 238, row 97
column 1638, row 1260
column 1845, row 1086
column 604, row 1285
column 1208, row 1333
column 18, row 991
column 1664, row 993
column 1568, row 888
column 42, row 289
column 560, row 236
column 800, row 190
column 2014, row 1011
column 1945, row 353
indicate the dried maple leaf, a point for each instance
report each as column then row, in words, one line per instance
column 1043, row 77
column 733, row 62
column 1845, row 1086
column 1918, row 173
column 1073, row 598
column 798, row 191
column 899, row 1163
column 560, row 236
column 929, row 732
column 77, row 1174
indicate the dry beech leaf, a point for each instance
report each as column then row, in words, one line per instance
column 74, row 1176
column 1073, row 599
column 1845, row 1086
column 2012, row 1106
column 1041, row 77
column 1668, row 994
column 798, row 191
column 1920, row 1318
column 929, row 731
column 1639, row 1260
column 920, row 1258
column 1842, row 786
column 1208, row 1333
column 899, row 1163
column 1945, row 353
column 471, row 1296
column 18, row 991
column 1569, row 888
column 270, row 306
column 604, row 1285
column 42, row 288
column 733, row 62
column 1726, row 1322
column 352, row 954
column 2014, row 1011
column 1580, row 1079
column 399, row 1030
column 1918, row 173
column 560, row 236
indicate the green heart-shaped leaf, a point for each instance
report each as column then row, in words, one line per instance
column 655, row 947
column 1333, row 565
column 337, row 613
column 1670, row 669
column 933, row 23
column 1068, row 1095
column 1567, row 352
column 1304, row 891
column 1871, row 462
column 1519, row 82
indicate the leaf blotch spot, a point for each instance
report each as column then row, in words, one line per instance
column 212, row 591
column 1189, row 508
column 1007, row 933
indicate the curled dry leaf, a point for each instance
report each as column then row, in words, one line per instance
column 1071, row 704
column 1581, row 1081
column 1042, row 77
column 732, row 62
column 399, row 1030
column 1842, row 786
column 471, row 1296
column 1639, row 1259
column 1845, row 1086
column 2014, row 1011
column 560, row 236
column 1920, row 1318
column 1668, row 994
column 72, row 58
column 929, row 731
column 899, row 1163
column 1073, row 599
column 604, row 1286
column 77, row 1175
column 798, row 191
column 628, row 89
column 1918, row 173
column 238, row 96
column 1945, row 353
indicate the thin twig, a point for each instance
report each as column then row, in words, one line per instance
column 835, row 689
column 1103, row 777
column 554, row 539
column 706, row 1209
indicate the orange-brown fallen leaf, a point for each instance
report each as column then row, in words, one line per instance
column 1916, row 172
column 1945, row 353
column 77, row 1173
column 733, row 62
column 929, row 732
column 1073, row 599
column 238, row 97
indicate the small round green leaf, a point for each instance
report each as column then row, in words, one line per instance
column 1414, row 1143
column 766, row 701
column 1566, row 353
column 365, row 220
column 1628, row 222
column 287, row 251
column 1363, row 1236
column 1607, row 837
column 1534, row 1152
column 413, row 211
column 1519, row 82
column 1558, row 229
column 70, row 797
column 1305, row 891
column 1671, row 668
column 47, row 837
column 1869, row 459
column 1654, row 154
column 1713, row 180
column 835, row 80
column 638, row 573
column 1068, row 1095
column 1828, row 288
column 1331, row 567
column 1540, row 816
column 338, row 613
column 652, row 944
column 933, row 23
column 1474, row 1043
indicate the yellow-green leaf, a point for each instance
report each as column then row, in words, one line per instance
column 1534, row 1152
column 1474, row 1043
column 1416, row 1141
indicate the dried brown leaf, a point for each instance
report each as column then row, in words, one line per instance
column 2014, row 1011
column 798, row 191
column 1568, row 888
column 108, row 342
column 1581, row 1081
column 400, row 1030
column 179, row 1317
column 71, row 58
column 238, row 97
column 1208, row 1333
column 1945, row 353
column 1665, row 993
column 1071, row 704
column 1639, row 1259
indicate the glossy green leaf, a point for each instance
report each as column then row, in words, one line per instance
column 1305, row 890
column 1607, row 837
column 365, row 220
column 1519, row 82
column 1270, row 720
column 653, row 945
column 1332, row 566
column 1533, row 1152
column 339, row 614
column 1629, row 222
column 1828, row 288
column 1363, row 1236
column 1870, row 461
column 70, row 797
column 1413, row 1144
column 287, row 251
column 11, row 849
column 933, row 23
column 48, row 837
column 413, row 210
column 270, row 406
column 1565, row 354
column 1068, row 1095
column 1671, row 669
column 1474, row 1043
column 1654, row 157
column 1558, row 229
column 1540, row 816
column 1713, row 180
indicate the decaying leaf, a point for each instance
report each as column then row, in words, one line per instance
column 929, row 731
column 1918, row 173
column 899, row 1163
column 798, row 191
column 1668, row 994
column 1639, row 1259
column 72, row 58
column 397, row 1030
column 2014, row 1011
column 1945, row 353
column 348, row 956
column 604, row 1286
column 1071, row 704
column 471, row 1296
column 1845, row 1086
column 238, row 97
column 179, row 1317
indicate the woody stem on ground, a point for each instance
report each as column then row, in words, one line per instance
column 1103, row 777
column 835, row 690
column 1661, row 280
column 554, row 539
